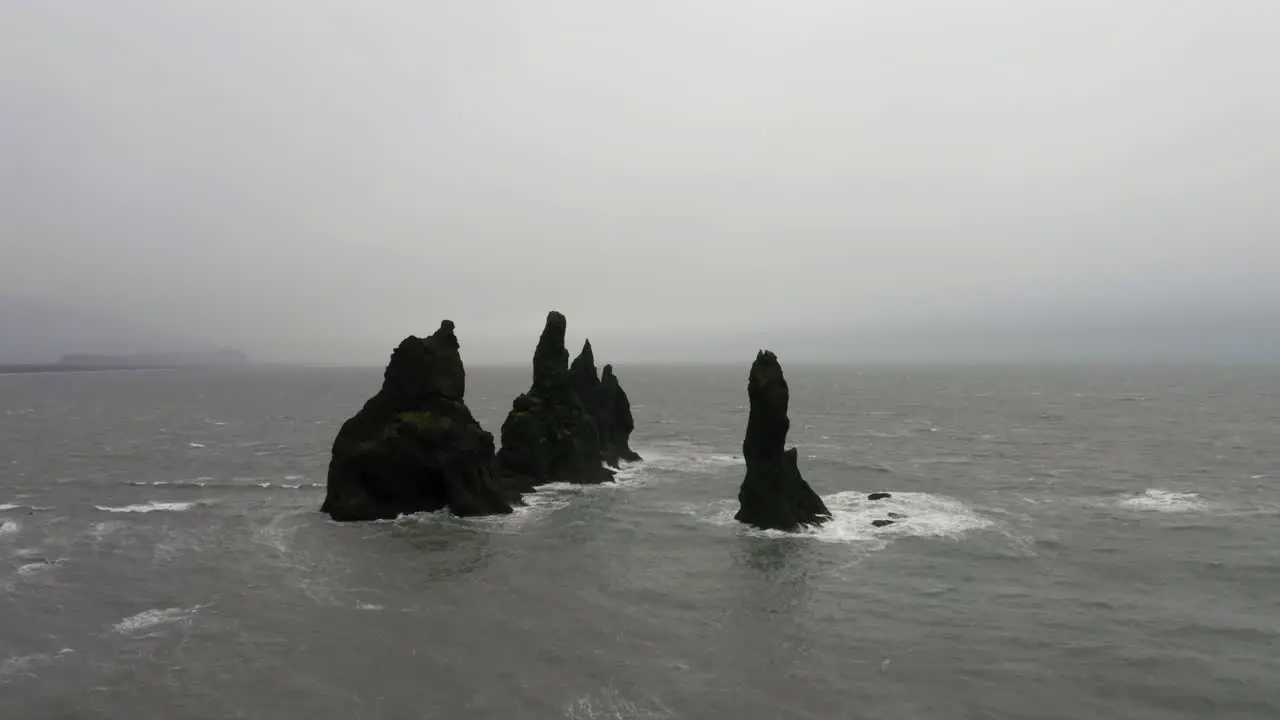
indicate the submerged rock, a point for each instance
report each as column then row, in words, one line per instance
column 879, row 496
column 414, row 446
column 608, row 405
column 773, row 495
column 882, row 523
column 550, row 434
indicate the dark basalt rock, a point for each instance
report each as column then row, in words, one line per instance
column 550, row 434
column 879, row 496
column 616, row 411
column 585, row 384
column 414, row 446
column 882, row 523
column 773, row 495
column 608, row 404
column 897, row 516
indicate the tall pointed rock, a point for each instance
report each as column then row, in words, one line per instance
column 608, row 405
column 616, row 423
column 583, row 377
column 550, row 434
column 773, row 495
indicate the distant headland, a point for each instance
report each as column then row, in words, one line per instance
column 89, row 362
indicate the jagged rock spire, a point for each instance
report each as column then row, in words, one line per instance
column 550, row 435
column 773, row 494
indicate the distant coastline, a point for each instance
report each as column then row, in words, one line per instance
column 92, row 362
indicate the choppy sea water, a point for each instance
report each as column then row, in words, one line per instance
column 1077, row 544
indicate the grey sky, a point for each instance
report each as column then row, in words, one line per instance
column 320, row 178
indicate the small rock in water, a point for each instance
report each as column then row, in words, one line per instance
column 897, row 516
column 879, row 496
column 881, row 523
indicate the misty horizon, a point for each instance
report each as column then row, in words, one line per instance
column 1054, row 182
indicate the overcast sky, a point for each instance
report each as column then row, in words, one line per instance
column 317, row 179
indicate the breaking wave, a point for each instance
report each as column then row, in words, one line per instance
column 545, row 501
column 152, row 506
column 918, row 515
column 24, row 664
column 611, row 705
column 293, row 483
column 152, row 618
column 1165, row 501
column 689, row 460
column 33, row 568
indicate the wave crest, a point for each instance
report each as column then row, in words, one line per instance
column 1166, row 501
column 152, row 618
column 153, row 506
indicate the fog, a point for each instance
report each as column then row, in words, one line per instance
column 844, row 180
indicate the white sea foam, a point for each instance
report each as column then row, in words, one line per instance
column 9, row 506
column 153, row 506
column 545, row 501
column 152, row 618
column 9, row 527
column 610, row 705
column 630, row 474
column 197, row 482
column 1165, row 501
column 553, row 496
column 24, row 664
column 33, row 568
column 195, row 445
column 689, row 460
column 103, row 529
column 368, row 606
column 922, row 515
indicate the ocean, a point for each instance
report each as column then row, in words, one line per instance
column 1078, row 543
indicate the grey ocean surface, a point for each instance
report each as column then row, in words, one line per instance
column 1079, row 544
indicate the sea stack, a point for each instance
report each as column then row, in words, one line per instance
column 550, row 434
column 414, row 446
column 773, row 495
column 608, row 404
column 615, row 408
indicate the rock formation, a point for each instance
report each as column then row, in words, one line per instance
column 550, row 434
column 615, row 408
column 879, row 496
column 773, row 495
column 414, row 446
column 608, row 404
